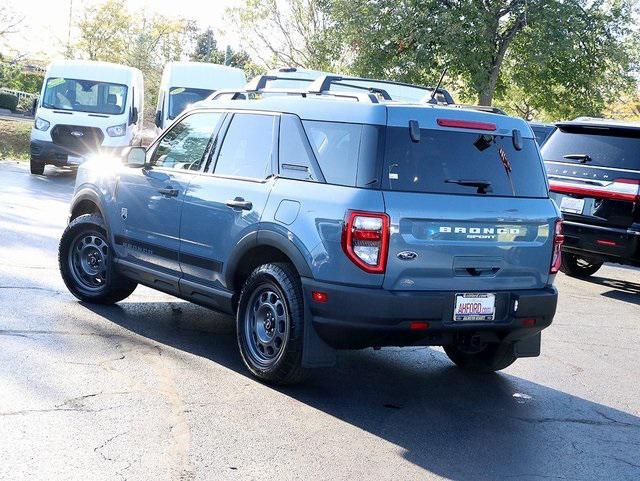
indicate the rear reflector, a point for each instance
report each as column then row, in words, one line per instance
column 529, row 322
column 467, row 124
column 418, row 325
column 319, row 296
column 606, row 242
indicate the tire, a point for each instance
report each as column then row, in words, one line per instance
column 37, row 168
column 493, row 357
column 270, row 324
column 86, row 263
column 575, row 266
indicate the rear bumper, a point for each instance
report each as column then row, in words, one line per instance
column 46, row 152
column 355, row 317
column 607, row 243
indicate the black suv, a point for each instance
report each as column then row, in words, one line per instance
column 593, row 167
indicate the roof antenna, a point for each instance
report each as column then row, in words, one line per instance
column 433, row 95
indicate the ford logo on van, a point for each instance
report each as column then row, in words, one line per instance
column 407, row 255
column 77, row 133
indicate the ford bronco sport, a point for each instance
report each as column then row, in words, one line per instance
column 594, row 171
column 329, row 218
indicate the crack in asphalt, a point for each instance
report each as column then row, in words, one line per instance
column 32, row 288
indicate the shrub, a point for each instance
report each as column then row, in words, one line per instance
column 8, row 101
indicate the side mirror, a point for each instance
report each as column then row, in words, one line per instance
column 133, row 118
column 136, row 157
column 158, row 120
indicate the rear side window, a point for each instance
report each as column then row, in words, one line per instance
column 605, row 147
column 295, row 154
column 336, row 147
column 247, row 147
column 449, row 162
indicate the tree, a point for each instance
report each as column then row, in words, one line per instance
column 10, row 20
column 294, row 33
column 206, row 50
column 565, row 54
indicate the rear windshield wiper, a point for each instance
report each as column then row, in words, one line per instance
column 483, row 186
column 583, row 158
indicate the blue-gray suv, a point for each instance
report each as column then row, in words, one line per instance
column 333, row 217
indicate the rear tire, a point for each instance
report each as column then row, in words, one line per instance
column 493, row 357
column 270, row 324
column 576, row 266
column 86, row 263
column 37, row 168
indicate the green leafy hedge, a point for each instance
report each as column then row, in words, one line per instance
column 8, row 101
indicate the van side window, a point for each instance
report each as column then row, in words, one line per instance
column 247, row 148
column 337, row 147
column 295, row 153
column 185, row 144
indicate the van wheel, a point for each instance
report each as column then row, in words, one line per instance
column 489, row 358
column 37, row 168
column 86, row 263
column 270, row 324
column 575, row 266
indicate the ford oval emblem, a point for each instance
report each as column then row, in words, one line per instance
column 407, row 255
column 77, row 133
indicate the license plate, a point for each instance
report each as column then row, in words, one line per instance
column 72, row 159
column 475, row 307
column 572, row 205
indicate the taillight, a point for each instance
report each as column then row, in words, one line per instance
column 558, row 240
column 365, row 240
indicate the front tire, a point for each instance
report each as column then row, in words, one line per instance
column 86, row 263
column 270, row 324
column 37, row 168
column 490, row 358
column 575, row 266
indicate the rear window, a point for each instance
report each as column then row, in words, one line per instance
column 449, row 162
column 336, row 147
column 605, row 147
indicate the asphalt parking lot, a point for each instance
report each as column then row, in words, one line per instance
column 154, row 387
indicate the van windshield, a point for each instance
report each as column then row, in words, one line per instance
column 84, row 96
column 449, row 162
column 182, row 97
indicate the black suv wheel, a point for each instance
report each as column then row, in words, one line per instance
column 37, row 168
column 575, row 266
column 488, row 358
column 270, row 324
column 86, row 263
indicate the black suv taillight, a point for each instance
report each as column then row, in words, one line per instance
column 365, row 240
column 558, row 240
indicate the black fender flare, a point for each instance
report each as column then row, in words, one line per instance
column 89, row 194
column 265, row 238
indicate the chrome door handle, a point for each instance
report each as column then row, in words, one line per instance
column 169, row 192
column 240, row 203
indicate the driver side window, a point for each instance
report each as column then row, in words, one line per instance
column 184, row 146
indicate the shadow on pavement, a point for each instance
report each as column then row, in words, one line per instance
column 458, row 426
column 622, row 290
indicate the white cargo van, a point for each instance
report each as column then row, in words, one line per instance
column 185, row 83
column 85, row 107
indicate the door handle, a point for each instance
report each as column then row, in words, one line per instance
column 169, row 192
column 240, row 203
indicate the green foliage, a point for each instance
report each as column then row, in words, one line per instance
column 295, row 33
column 8, row 101
column 206, row 50
column 540, row 58
column 14, row 139
column 13, row 76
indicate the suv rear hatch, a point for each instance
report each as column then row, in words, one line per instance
column 594, row 176
column 469, row 211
